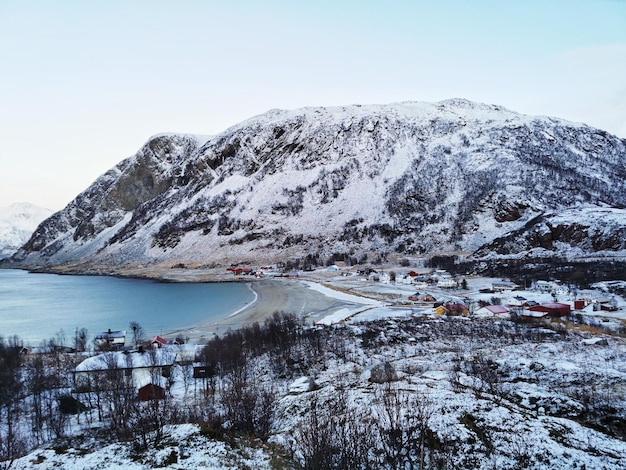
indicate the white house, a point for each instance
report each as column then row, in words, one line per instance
column 499, row 286
column 114, row 339
column 545, row 286
column 446, row 283
column 133, row 367
column 490, row 310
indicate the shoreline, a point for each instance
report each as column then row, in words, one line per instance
column 274, row 295
column 309, row 299
column 249, row 305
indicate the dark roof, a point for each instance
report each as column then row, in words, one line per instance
column 111, row 334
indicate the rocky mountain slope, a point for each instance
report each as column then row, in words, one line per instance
column 17, row 224
column 358, row 183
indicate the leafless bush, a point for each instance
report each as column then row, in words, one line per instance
column 401, row 422
column 334, row 435
column 148, row 421
column 248, row 405
column 12, row 443
column 484, row 374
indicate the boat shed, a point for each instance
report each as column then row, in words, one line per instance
column 553, row 309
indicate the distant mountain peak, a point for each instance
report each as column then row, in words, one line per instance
column 17, row 223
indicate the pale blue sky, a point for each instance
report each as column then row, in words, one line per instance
column 84, row 84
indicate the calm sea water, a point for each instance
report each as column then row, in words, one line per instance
column 37, row 306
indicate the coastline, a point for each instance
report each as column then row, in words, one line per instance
column 274, row 295
column 311, row 300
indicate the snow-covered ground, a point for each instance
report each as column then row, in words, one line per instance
column 187, row 448
column 390, row 299
column 484, row 392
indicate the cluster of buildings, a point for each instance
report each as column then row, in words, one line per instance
column 519, row 305
column 438, row 278
column 146, row 368
column 116, row 341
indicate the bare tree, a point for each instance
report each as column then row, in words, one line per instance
column 314, row 438
column 402, row 426
column 138, row 332
column 249, row 406
column 12, row 443
column 334, row 435
column 118, row 392
column 148, row 421
column 80, row 340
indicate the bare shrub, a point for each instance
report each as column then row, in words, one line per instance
column 401, row 423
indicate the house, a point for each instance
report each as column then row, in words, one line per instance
column 200, row 371
column 491, row 310
column 608, row 307
column 113, row 340
column 412, row 277
column 185, row 354
column 114, row 368
column 452, row 308
column 240, row 271
column 608, row 304
column 423, row 298
column 157, row 342
column 151, row 392
column 519, row 301
column 532, row 314
column 446, row 283
column 580, row 304
column 545, row 286
column 552, row 309
column 499, row 286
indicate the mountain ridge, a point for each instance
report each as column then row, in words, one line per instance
column 17, row 223
column 361, row 182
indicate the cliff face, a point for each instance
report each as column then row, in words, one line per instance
column 361, row 181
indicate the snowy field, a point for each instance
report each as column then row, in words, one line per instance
column 389, row 383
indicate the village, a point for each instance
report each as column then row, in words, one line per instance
column 446, row 294
column 147, row 364
column 458, row 355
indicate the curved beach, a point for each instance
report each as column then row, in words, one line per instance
column 272, row 295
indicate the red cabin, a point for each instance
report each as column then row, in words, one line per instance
column 553, row 309
column 151, row 392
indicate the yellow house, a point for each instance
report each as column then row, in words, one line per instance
column 452, row 309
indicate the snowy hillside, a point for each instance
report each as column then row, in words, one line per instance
column 356, row 182
column 417, row 391
column 17, row 224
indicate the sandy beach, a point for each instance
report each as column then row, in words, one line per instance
column 272, row 295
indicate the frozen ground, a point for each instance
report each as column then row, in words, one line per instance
column 484, row 392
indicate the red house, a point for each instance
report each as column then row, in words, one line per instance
column 151, row 392
column 239, row 271
column 553, row 309
column 157, row 342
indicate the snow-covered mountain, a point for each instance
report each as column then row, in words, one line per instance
column 359, row 182
column 17, row 224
